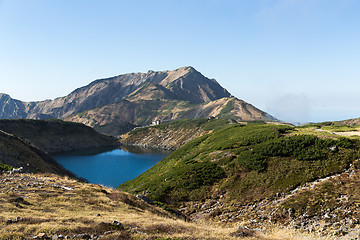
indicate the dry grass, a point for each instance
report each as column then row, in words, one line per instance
column 58, row 205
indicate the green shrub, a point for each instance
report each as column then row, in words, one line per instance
column 345, row 143
column 300, row 147
column 250, row 162
column 4, row 167
column 197, row 174
column 228, row 108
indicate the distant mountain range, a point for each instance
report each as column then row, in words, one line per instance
column 117, row 104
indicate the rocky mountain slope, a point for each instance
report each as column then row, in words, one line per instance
column 11, row 108
column 109, row 119
column 252, row 173
column 183, row 84
column 115, row 105
column 54, row 136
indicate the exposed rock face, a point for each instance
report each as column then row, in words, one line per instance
column 137, row 99
column 11, row 108
column 182, row 84
column 107, row 119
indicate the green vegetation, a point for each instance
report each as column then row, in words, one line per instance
column 228, row 107
column 247, row 162
column 299, row 147
column 331, row 127
column 4, row 167
column 339, row 128
column 204, row 123
column 327, row 196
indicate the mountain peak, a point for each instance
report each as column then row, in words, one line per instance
column 151, row 89
column 4, row 95
column 187, row 68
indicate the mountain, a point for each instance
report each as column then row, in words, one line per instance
column 11, row 108
column 115, row 105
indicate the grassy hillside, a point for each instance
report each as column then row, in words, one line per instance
column 52, row 205
column 244, row 164
column 55, row 136
column 173, row 135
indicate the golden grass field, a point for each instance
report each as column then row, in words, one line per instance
column 47, row 203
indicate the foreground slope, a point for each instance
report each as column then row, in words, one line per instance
column 46, row 206
column 55, row 206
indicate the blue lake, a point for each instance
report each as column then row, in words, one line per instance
column 111, row 167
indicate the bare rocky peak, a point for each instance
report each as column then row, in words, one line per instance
column 11, row 108
column 181, row 84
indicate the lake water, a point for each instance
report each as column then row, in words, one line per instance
column 110, row 167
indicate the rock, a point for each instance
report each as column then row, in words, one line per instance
column 243, row 232
column 19, row 200
column 82, row 236
column 108, row 232
column 16, row 170
column 42, row 236
column 259, row 230
column 117, row 225
column 67, row 188
column 333, row 148
column 144, row 198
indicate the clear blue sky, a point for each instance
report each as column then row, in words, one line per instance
column 296, row 59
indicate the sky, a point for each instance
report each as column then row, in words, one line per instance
column 295, row 59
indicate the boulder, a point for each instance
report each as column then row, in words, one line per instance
column 145, row 198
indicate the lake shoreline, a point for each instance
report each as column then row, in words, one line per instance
column 110, row 166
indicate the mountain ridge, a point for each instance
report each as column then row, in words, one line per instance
column 142, row 97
